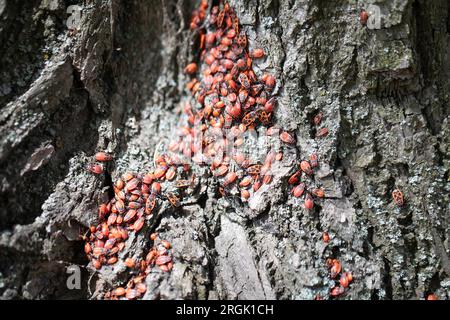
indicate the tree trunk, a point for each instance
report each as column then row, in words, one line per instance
column 116, row 84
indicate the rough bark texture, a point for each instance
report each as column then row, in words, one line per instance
column 115, row 85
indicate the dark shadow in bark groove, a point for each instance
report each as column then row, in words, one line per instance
column 387, row 282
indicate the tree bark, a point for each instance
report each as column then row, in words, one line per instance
column 116, row 84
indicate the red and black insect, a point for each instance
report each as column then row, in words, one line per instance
column 174, row 199
column 242, row 39
column 363, row 17
column 226, row 93
column 94, row 168
column 397, row 195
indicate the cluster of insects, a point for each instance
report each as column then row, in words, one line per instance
column 299, row 189
column 159, row 255
column 226, row 96
column 135, row 199
column 316, row 121
column 343, row 279
column 96, row 167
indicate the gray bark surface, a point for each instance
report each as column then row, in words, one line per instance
column 116, row 84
